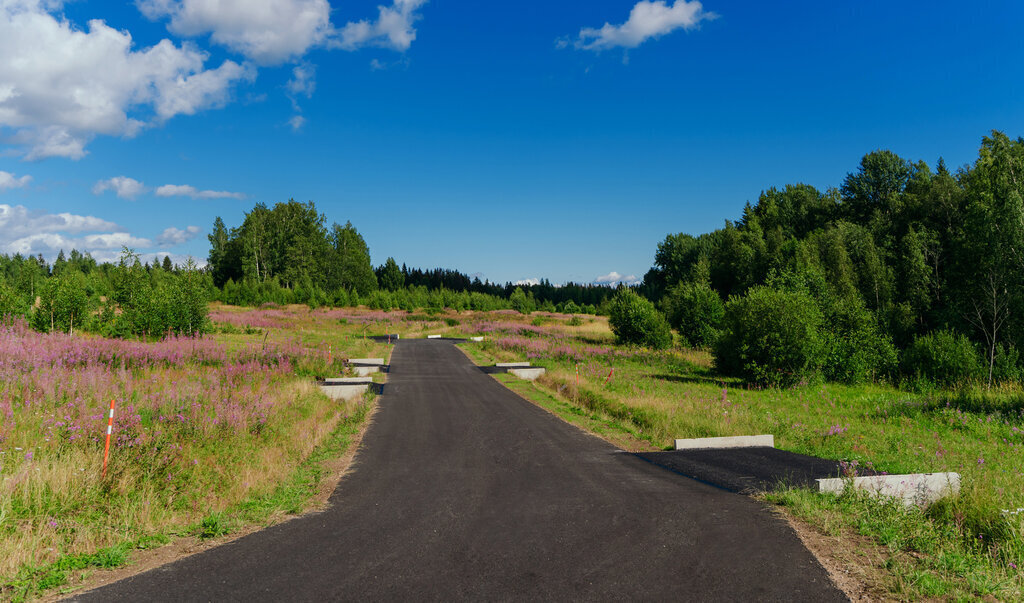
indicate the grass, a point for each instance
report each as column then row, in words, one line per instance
column 967, row 547
column 210, row 436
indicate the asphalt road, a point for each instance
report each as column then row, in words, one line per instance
column 749, row 469
column 462, row 490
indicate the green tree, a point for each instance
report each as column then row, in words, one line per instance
column 391, row 277
column 771, row 337
column 696, row 311
column 64, row 303
column 990, row 248
column 635, row 320
column 350, row 261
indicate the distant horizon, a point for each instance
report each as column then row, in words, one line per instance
column 536, row 142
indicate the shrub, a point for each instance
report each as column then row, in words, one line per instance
column 521, row 302
column 855, row 350
column 1006, row 368
column 635, row 320
column 12, row 302
column 942, row 358
column 770, row 337
column 696, row 311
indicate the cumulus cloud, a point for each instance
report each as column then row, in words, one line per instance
column 176, row 236
column 528, row 281
column 270, row 32
column 393, row 28
column 30, row 232
column 185, row 190
column 123, row 186
column 60, row 86
column 296, row 122
column 647, row 20
column 8, row 180
column 614, row 278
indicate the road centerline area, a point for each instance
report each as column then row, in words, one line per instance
column 463, row 490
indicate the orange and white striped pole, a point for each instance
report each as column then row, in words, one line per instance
column 110, row 429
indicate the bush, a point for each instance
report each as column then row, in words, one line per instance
column 12, row 302
column 770, row 337
column 696, row 311
column 855, row 350
column 942, row 358
column 1006, row 368
column 635, row 320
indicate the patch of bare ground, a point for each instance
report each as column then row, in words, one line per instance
column 855, row 563
column 141, row 561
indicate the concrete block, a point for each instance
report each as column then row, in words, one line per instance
column 512, row 364
column 920, row 489
column 767, row 440
column 363, row 371
column 345, row 388
column 476, row 338
column 366, row 361
column 433, row 337
column 530, row 374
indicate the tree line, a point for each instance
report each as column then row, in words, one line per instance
column 287, row 254
column 129, row 298
column 890, row 275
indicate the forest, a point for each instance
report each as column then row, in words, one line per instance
column 903, row 272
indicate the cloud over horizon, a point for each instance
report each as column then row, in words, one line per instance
column 176, row 236
column 614, row 278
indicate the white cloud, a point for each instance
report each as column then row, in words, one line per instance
column 176, row 236
column 296, row 122
column 393, row 28
column 185, row 190
column 303, row 80
column 614, row 278
column 528, row 281
column 18, row 221
column 123, row 186
column 7, row 180
column 270, row 32
column 30, row 232
column 647, row 20
column 60, row 86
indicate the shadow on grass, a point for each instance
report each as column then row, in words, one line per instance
column 699, row 379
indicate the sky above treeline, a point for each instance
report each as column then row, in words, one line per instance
column 514, row 141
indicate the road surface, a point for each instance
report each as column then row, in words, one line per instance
column 462, row 490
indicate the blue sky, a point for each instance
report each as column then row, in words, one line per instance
column 515, row 140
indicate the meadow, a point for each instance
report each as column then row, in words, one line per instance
column 210, row 435
column 218, row 433
column 970, row 546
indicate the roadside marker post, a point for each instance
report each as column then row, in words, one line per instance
column 110, row 429
column 611, row 374
column 577, row 376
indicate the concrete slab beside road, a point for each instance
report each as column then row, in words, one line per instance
column 914, row 489
column 530, row 374
column 767, row 440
